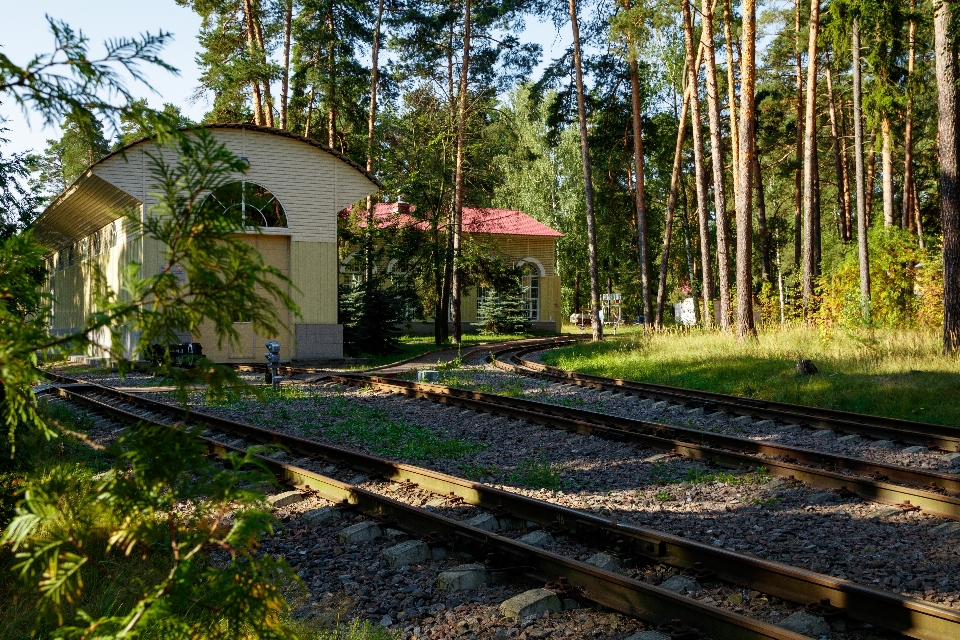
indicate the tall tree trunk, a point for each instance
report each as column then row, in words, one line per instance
column 672, row 199
column 889, row 219
column 258, row 118
column 699, row 170
column 587, row 177
column 871, row 172
column 763, row 229
column 916, row 210
column 310, row 102
column 688, row 249
column 947, row 126
column 331, row 84
column 734, row 130
column 458, row 185
column 798, row 173
column 845, row 156
column 640, row 194
column 809, row 163
column 371, row 127
column 842, row 200
column 862, row 238
column 748, row 78
column 909, row 204
column 717, row 159
column 285, row 81
column 262, row 59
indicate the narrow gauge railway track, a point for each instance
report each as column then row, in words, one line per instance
column 933, row 493
column 891, row 611
column 877, row 427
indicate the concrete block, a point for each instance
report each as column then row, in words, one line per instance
column 823, row 434
column 850, row 439
column 604, row 561
column 438, row 553
column 681, row 584
column 765, row 424
column 360, row 532
column 946, row 529
column 952, row 459
column 530, row 603
column 822, row 497
column 463, row 578
column 537, row 539
column 886, row 512
column 484, row 521
column 805, row 624
column 916, row 449
column 278, row 500
column 695, row 413
column 660, row 406
column 428, row 375
column 789, row 428
column 718, row 416
column 644, row 402
column 394, row 534
column 355, row 480
column 883, row 444
column 606, row 394
column 317, row 516
column 407, row 553
column 742, row 421
column 649, row 635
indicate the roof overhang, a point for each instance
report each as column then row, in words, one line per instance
column 89, row 204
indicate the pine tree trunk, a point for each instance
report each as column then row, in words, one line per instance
column 871, row 172
column 285, row 81
column 748, row 78
column 889, row 219
column 947, row 126
column 331, row 84
column 734, row 130
column 252, row 45
column 862, row 226
column 845, row 155
column 763, row 230
column 587, row 177
column 261, row 58
column 918, row 217
column 842, row 201
column 909, row 204
column 688, row 249
column 699, row 169
column 640, row 195
column 810, row 163
column 458, row 185
column 371, row 127
column 672, row 201
column 798, row 174
column 717, row 159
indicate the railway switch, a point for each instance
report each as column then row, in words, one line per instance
column 273, row 363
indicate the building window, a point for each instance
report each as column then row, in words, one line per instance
column 249, row 202
column 530, row 282
column 351, row 270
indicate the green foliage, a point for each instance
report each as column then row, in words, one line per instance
column 906, row 284
column 362, row 425
column 162, row 498
column 477, row 471
column 538, row 473
column 372, row 313
column 502, row 312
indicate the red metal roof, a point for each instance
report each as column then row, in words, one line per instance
column 475, row 220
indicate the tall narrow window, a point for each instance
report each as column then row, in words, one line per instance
column 250, row 202
column 531, row 290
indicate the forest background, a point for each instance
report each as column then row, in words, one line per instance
column 813, row 176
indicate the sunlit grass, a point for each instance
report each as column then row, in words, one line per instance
column 901, row 374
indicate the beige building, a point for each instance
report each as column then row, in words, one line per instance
column 511, row 235
column 290, row 197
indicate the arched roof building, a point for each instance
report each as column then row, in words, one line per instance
column 290, row 197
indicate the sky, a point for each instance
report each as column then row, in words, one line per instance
column 24, row 32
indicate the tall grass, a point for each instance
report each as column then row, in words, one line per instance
column 901, row 374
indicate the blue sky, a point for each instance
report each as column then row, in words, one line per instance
column 24, row 33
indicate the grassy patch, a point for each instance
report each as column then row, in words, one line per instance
column 663, row 474
column 900, row 374
column 539, row 474
column 361, row 425
column 504, row 386
column 477, row 471
column 663, row 496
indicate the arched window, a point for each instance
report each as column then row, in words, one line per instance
column 530, row 282
column 256, row 206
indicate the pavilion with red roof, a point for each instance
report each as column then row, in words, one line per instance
column 512, row 235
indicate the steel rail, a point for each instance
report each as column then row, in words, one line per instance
column 738, row 452
column 892, row 611
column 879, row 427
column 612, row 590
